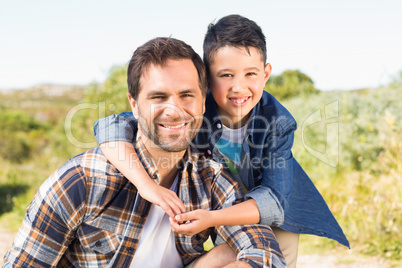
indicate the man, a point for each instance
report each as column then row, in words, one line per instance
column 88, row 214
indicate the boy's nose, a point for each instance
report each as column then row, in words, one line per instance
column 238, row 85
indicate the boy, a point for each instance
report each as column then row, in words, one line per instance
column 251, row 134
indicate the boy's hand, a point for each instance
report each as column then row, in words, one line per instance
column 192, row 222
column 162, row 197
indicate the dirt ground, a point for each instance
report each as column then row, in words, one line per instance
column 304, row 261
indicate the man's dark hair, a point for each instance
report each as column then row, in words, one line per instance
column 235, row 31
column 157, row 51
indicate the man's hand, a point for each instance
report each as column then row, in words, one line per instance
column 162, row 197
column 192, row 222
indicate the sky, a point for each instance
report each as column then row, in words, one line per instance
column 339, row 44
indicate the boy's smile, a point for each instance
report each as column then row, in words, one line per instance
column 238, row 79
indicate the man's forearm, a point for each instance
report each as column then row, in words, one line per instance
column 255, row 244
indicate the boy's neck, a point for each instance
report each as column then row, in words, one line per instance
column 235, row 122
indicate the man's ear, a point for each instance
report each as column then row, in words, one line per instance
column 133, row 105
column 267, row 71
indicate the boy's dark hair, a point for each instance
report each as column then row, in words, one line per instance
column 157, row 51
column 236, row 31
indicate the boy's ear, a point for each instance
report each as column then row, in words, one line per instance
column 133, row 105
column 267, row 71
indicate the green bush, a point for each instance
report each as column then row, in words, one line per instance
column 364, row 189
column 21, row 136
column 289, row 84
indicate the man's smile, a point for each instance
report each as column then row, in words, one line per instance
column 177, row 126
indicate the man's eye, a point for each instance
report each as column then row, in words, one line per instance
column 157, row 97
column 186, row 95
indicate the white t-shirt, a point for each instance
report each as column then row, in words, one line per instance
column 230, row 146
column 157, row 247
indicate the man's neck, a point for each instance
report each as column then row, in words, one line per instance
column 168, row 163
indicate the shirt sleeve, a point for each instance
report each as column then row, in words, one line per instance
column 255, row 244
column 122, row 127
column 274, row 190
column 50, row 221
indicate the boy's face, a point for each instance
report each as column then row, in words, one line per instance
column 237, row 79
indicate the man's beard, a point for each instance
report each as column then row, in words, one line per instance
column 172, row 142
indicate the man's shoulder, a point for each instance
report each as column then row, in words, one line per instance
column 92, row 163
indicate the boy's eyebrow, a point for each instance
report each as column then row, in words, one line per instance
column 246, row 69
column 252, row 69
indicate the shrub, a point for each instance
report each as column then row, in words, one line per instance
column 289, row 84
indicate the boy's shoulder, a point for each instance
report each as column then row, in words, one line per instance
column 270, row 109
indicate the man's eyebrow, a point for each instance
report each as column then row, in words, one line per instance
column 156, row 92
column 163, row 93
column 185, row 91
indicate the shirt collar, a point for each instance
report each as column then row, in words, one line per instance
column 190, row 158
column 213, row 115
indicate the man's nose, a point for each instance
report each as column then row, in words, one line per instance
column 172, row 108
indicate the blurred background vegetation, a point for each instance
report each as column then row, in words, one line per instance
column 362, row 185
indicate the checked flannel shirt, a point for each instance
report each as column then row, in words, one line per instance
column 87, row 214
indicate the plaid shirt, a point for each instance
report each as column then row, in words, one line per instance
column 87, row 214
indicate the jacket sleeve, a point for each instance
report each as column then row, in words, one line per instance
column 122, row 127
column 274, row 190
column 50, row 221
column 256, row 243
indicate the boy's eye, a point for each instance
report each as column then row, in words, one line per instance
column 250, row 73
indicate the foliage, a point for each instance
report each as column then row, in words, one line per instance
column 100, row 100
column 290, row 84
column 113, row 93
column 364, row 190
column 396, row 80
column 21, row 136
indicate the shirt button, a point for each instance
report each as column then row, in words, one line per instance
column 219, row 126
column 98, row 244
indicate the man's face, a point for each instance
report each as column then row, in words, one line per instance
column 170, row 105
column 238, row 79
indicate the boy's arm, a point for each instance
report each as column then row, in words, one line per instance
column 124, row 157
column 199, row 220
column 115, row 135
column 273, row 193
